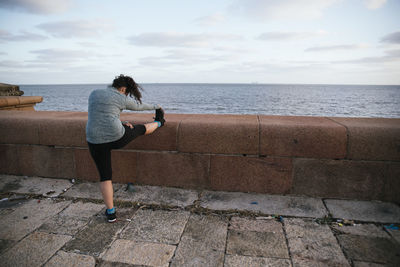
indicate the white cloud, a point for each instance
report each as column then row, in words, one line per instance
column 52, row 60
column 89, row 44
column 393, row 53
column 265, row 10
column 284, row 36
column 10, row 64
column 182, row 57
column 175, row 39
column 335, row 47
column 77, row 28
column 61, row 55
column 393, row 38
column 36, row 6
column 390, row 56
column 14, row 65
column 24, row 36
column 233, row 49
column 374, row 4
column 210, row 20
column 26, row 65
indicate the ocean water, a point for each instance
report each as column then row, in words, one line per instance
column 267, row 99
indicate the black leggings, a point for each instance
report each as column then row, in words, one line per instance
column 101, row 153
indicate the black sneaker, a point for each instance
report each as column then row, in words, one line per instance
column 160, row 116
column 111, row 217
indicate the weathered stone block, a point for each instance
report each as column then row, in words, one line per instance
column 85, row 210
column 202, row 243
column 192, row 253
column 117, row 264
column 392, row 186
column 257, row 244
column 364, row 210
column 29, row 114
column 6, row 244
column 9, row 159
column 210, row 231
column 370, row 230
column 299, row 261
column 28, row 217
column 251, row 174
column 339, row 178
column 266, row 204
column 257, row 238
column 227, row 134
column 373, row 138
column 33, row 185
column 3, row 102
column 88, row 191
column 311, row 244
column 63, row 258
column 61, row 131
column 34, row 160
column 63, row 226
column 98, row 234
column 395, row 234
column 34, row 250
column 19, row 130
column 72, row 219
column 158, row 195
column 173, row 169
column 297, row 136
column 245, row 224
column 367, row 264
column 143, row 253
column 157, row 226
column 371, row 249
column 46, row 161
column 9, row 206
column 240, row 261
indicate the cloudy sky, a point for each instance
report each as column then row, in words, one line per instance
column 208, row 41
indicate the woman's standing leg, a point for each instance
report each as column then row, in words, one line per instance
column 101, row 154
column 108, row 193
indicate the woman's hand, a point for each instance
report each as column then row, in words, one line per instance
column 127, row 123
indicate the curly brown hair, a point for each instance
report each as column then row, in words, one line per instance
column 132, row 88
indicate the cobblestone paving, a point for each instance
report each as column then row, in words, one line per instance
column 54, row 222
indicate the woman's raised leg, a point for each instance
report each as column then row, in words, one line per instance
column 151, row 127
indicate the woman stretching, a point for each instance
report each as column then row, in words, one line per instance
column 105, row 131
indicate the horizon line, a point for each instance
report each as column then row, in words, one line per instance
column 222, row 83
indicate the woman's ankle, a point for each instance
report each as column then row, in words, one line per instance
column 111, row 211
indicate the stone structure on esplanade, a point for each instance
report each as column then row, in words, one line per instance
column 10, row 90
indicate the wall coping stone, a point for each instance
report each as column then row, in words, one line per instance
column 19, row 102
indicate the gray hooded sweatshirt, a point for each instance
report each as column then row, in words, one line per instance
column 105, row 106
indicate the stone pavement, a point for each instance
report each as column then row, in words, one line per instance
column 54, row 222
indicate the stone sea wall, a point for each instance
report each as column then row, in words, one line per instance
column 357, row 158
